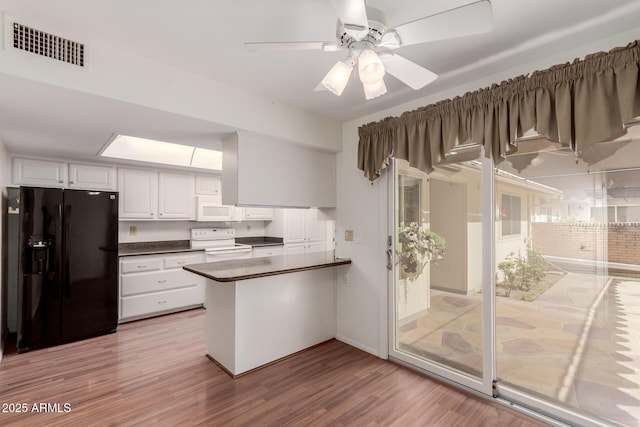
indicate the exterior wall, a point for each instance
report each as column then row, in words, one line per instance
column 589, row 241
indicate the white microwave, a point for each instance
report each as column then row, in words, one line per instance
column 210, row 209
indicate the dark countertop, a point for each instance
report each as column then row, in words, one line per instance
column 243, row 269
column 153, row 248
column 260, row 241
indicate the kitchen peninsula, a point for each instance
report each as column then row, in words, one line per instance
column 263, row 309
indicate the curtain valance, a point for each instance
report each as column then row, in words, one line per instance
column 576, row 104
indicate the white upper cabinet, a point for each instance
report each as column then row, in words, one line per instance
column 92, row 177
column 50, row 173
column 316, row 229
column 175, row 196
column 138, row 194
column 148, row 194
column 145, row 194
column 257, row 214
column 295, row 225
column 301, row 230
column 41, row 173
column 208, row 186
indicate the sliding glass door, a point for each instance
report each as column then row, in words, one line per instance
column 522, row 281
column 568, row 280
column 437, row 275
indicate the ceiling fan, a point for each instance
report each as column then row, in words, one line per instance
column 362, row 32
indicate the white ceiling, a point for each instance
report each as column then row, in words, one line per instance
column 207, row 36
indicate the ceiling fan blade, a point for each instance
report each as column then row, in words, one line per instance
column 281, row 46
column 408, row 72
column 474, row 18
column 353, row 14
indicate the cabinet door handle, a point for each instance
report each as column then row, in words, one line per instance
column 162, row 281
column 142, row 266
column 181, row 262
column 162, row 302
column 161, row 213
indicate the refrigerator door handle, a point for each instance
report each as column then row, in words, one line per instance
column 66, row 285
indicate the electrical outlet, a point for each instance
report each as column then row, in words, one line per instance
column 345, row 278
column 348, row 235
column 133, row 230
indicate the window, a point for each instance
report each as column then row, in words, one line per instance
column 510, row 215
column 616, row 214
column 543, row 214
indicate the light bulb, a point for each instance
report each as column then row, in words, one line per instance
column 374, row 90
column 370, row 67
column 338, row 76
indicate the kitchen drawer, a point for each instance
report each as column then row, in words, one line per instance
column 138, row 264
column 133, row 284
column 143, row 305
column 180, row 260
column 261, row 251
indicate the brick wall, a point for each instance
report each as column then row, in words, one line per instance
column 587, row 241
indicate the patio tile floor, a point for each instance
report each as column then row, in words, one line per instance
column 577, row 345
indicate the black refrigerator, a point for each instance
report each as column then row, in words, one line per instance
column 68, row 268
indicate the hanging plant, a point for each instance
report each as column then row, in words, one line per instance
column 418, row 245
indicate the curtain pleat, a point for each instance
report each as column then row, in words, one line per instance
column 576, row 104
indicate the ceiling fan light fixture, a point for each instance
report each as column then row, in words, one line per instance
column 370, row 67
column 338, row 76
column 374, row 90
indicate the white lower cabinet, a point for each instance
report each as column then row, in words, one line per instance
column 295, row 248
column 262, row 251
column 157, row 284
column 304, row 248
column 316, row 246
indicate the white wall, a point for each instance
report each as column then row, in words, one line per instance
column 3, row 253
column 362, row 303
column 119, row 75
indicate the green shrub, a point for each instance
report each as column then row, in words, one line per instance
column 522, row 272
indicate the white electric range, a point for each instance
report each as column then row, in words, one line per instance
column 219, row 244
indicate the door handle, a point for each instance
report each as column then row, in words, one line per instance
column 389, row 253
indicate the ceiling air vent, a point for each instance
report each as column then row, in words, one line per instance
column 45, row 44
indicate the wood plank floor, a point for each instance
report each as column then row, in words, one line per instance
column 154, row 372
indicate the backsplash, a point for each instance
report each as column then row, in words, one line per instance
column 151, row 231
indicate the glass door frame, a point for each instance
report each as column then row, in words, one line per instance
column 488, row 385
column 484, row 385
